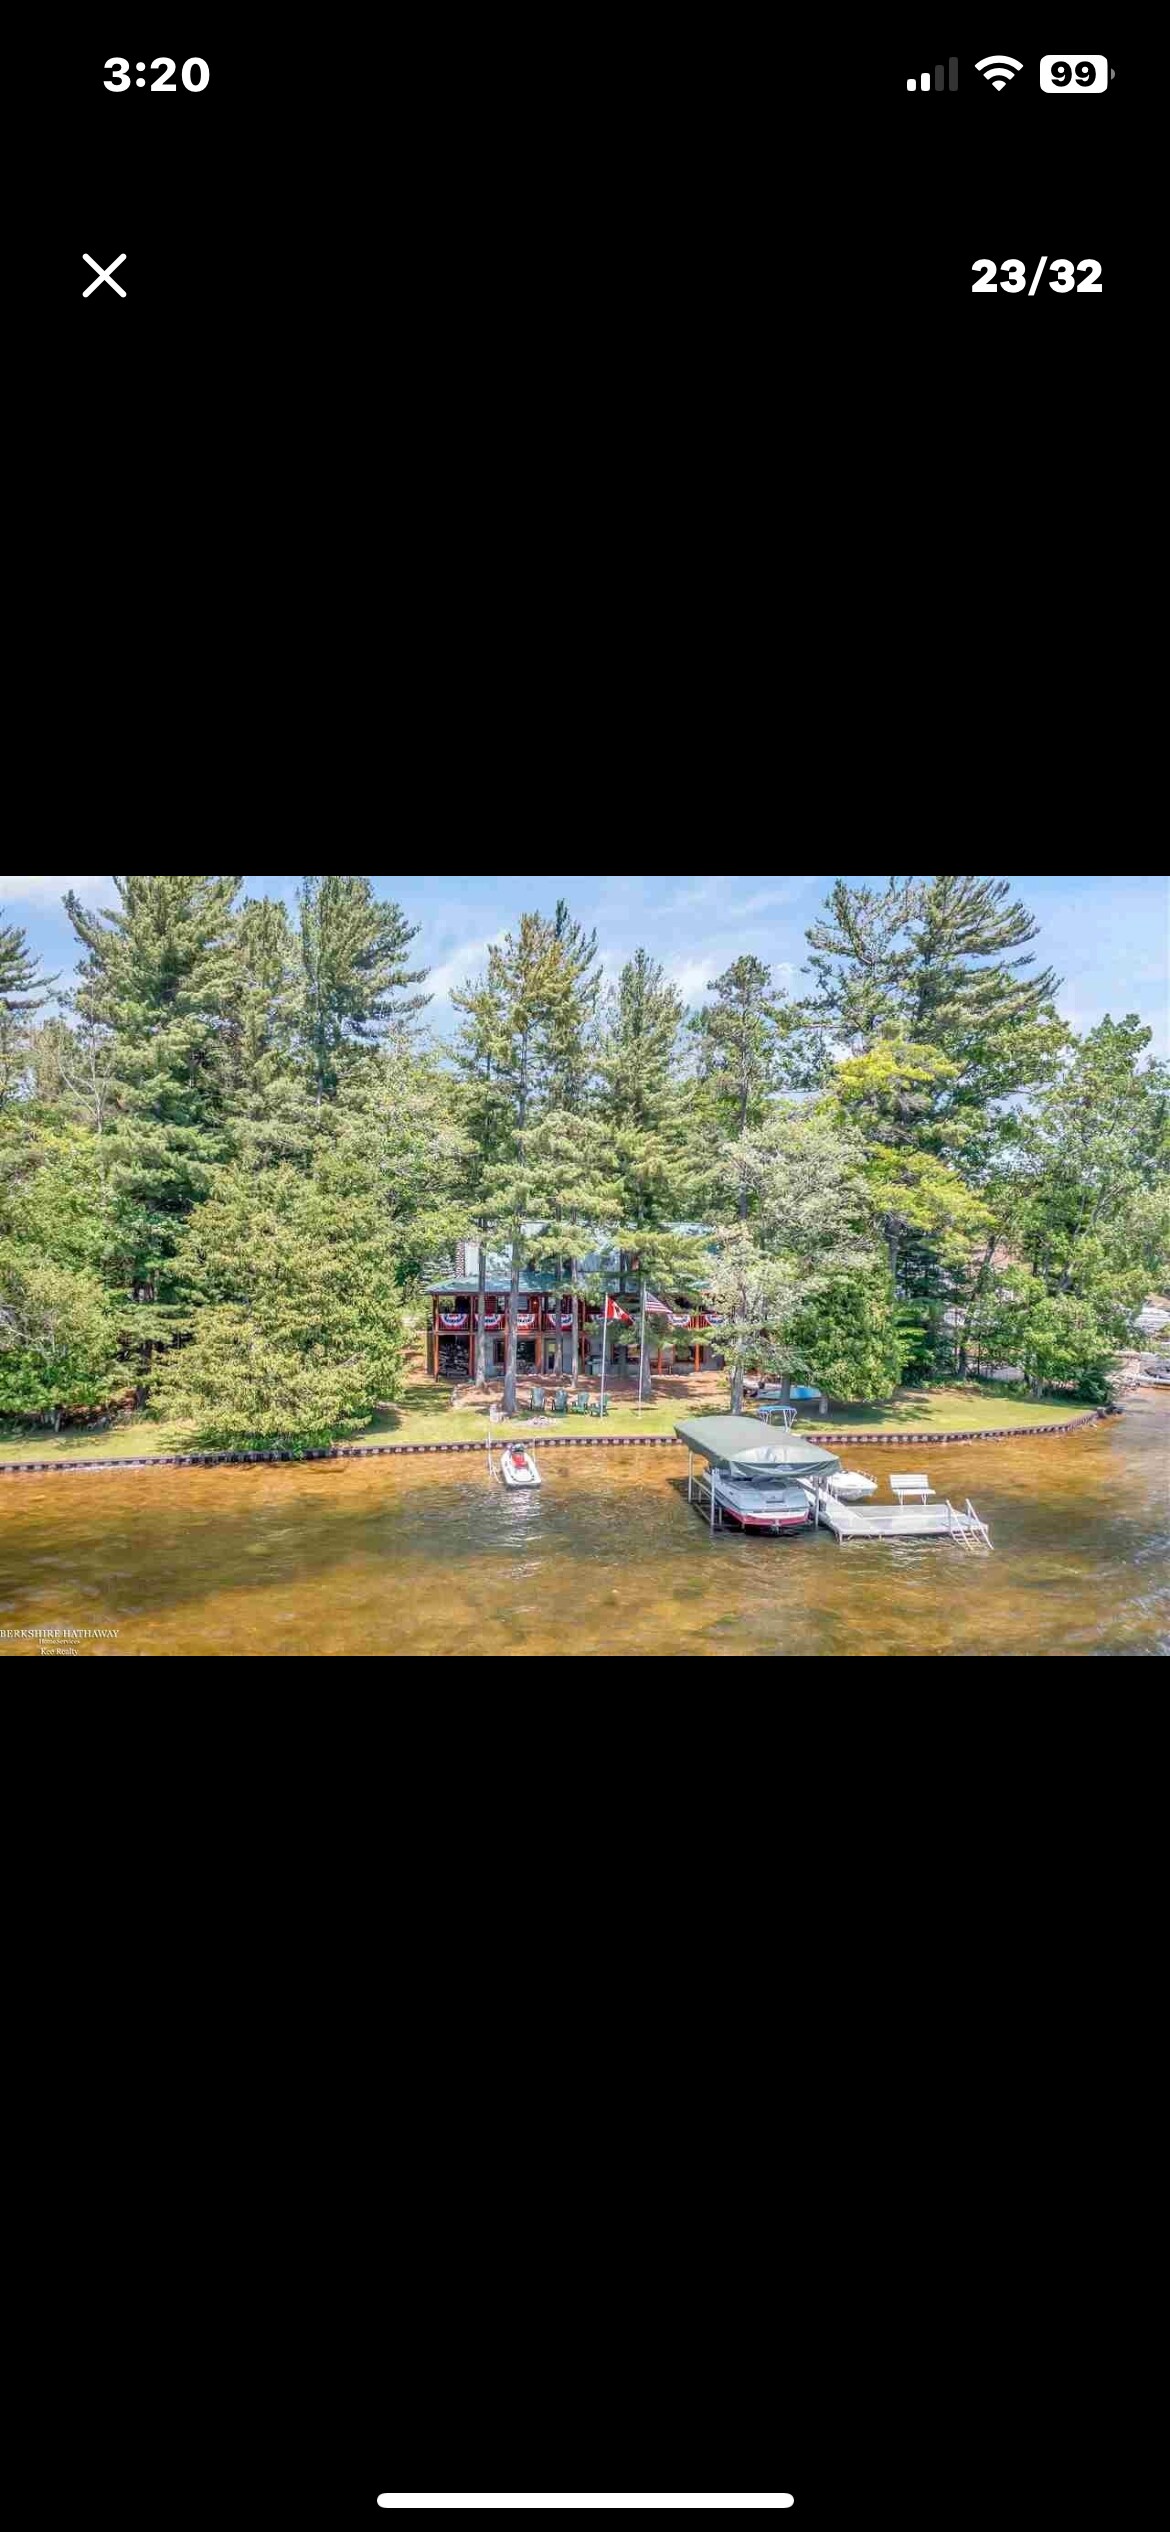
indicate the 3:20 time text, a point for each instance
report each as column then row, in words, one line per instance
column 195, row 75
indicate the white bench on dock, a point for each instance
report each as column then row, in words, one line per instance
column 920, row 1486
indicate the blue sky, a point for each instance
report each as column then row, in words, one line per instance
column 1108, row 937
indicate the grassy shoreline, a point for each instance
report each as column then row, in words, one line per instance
column 426, row 1416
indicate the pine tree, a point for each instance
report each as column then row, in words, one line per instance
column 271, row 1114
column 643, row 1097
column 926, row 964
column 847, row 1337
column 927, row 985
column 571, row 1040
column 744, row 1056
column 527, row 1020
column 860, row 958
column 355, row 983
column 485, row 1116
column 570, row 1090
column 155, row 985
column 23, row 991
column 962, row 988
column 559, row 1197
column 398, row 1126
column 297, row 1323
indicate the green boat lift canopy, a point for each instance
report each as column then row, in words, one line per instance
column 724, row 1439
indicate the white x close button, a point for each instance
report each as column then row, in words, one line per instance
column 103, row 276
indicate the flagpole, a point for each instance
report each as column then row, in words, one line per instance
column 642, row 1345
column 604, row 1336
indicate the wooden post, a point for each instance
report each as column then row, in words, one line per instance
column 435, row 1334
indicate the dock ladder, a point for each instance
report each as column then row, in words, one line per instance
column 967, row 1528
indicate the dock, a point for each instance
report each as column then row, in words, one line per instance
column 849, row 1524
column 730, row 1442
column 913, row 1521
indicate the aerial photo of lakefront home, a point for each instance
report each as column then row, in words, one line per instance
column 664, row 1265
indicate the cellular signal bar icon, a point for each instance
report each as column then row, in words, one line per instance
column 924, row 82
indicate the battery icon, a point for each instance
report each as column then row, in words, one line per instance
column 1074, row 74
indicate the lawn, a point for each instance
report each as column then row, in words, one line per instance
column 425, row 1415
column 967, row 1407
column 138, row 1438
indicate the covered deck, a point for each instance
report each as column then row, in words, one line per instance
column 544, row 1330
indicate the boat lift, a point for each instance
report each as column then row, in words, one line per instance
column 721, row 1440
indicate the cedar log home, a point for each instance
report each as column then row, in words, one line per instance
column 544, row 1338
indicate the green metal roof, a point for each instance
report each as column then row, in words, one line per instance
column 725, row 1438
column 593, row 1264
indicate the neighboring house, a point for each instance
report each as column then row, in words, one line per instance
column 544, row 1339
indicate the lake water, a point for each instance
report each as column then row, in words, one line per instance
column 398, row 1556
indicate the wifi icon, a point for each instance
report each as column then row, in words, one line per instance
column 998, row 68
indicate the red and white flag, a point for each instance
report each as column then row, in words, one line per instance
column 612, row 1312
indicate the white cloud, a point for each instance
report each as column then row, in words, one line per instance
column 692, row 976
column 49, row 892
column 463, row 963
column 770, row 900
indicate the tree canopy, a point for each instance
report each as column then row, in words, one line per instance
column 235, row 1150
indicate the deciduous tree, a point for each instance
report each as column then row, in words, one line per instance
column 58, row 1339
